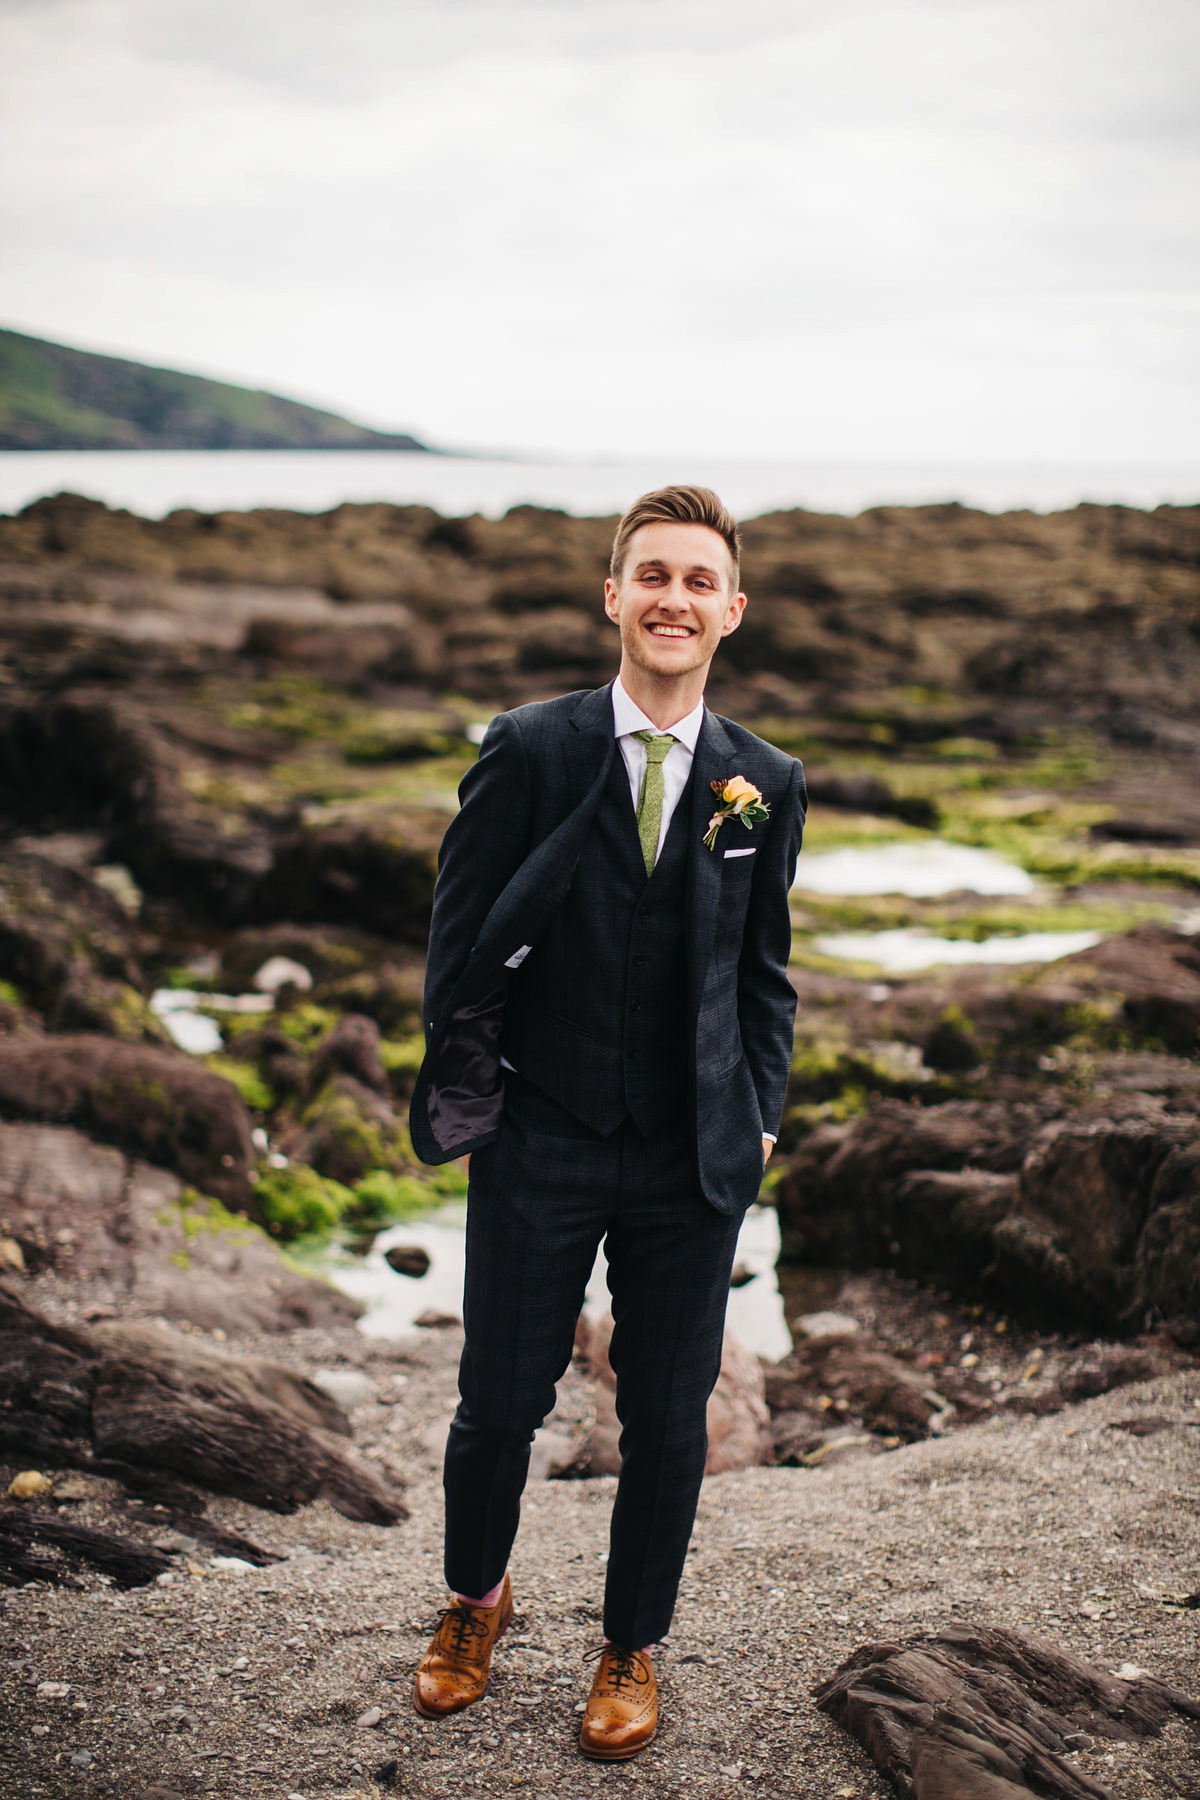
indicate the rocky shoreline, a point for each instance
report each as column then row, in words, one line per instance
column 228, row 748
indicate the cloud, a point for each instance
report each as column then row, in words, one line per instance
column 924, row 225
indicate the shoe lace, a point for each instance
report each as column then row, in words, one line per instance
column 625, row 1668
column 463, row 1630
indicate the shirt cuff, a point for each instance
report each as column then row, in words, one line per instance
column 771, row 1137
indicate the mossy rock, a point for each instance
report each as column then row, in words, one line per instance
column 349, row 1130
column 89, row 1002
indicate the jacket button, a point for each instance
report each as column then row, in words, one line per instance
column 636, row 1007
column 638, row 961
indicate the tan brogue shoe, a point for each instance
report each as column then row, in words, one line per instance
column 622, row 1709
column 453, row 1672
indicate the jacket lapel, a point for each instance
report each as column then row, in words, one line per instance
column 713, row 762
column 588, row 742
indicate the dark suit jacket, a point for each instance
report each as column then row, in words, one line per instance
column 507, row 861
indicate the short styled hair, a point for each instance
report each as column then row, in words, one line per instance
column 678, row 506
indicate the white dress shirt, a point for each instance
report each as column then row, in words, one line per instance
column 628, row 717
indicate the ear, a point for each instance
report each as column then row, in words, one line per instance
column 733, row 614
column 612, row 601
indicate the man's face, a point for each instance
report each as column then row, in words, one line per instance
column 675, row 601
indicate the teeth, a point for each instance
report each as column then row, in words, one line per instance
column 670, row 631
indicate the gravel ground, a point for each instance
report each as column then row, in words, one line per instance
column 259, row 1684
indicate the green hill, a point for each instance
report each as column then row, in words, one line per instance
column 56, row 398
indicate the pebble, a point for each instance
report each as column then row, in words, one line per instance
column 83, row 1759
column 349, row 1387
column 28, row 1484
column 39, row 1731
column 53, row 1690
column 817, row 1325
column 282, row 971
column 368, row 1720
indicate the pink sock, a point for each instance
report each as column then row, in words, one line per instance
column 489, row 1599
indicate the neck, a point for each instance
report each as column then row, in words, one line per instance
column 665, row 699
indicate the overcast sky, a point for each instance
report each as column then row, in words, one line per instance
column 762, row 228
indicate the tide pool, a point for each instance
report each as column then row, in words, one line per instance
column 904, row 952
column 922, row 870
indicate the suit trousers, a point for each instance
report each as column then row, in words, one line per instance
column 542, row 1198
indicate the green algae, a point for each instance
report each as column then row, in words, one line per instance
column 245, row 1078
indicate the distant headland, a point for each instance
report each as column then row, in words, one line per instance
column 53, row 397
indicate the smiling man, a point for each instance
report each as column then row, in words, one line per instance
column 609, row 1031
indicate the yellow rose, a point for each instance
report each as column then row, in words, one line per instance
column 738, row 789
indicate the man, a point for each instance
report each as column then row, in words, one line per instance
column 609, row 1030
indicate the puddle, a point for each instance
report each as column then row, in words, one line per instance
column 904, row 952
column 193, row 1030
column 393, row 1302
column 921, row 871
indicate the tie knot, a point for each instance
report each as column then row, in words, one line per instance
column 656, row 746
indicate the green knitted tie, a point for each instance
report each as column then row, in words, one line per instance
column 650, row 800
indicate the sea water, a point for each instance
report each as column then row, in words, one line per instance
column 154, row 482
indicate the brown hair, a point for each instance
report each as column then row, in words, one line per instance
column 680, row 506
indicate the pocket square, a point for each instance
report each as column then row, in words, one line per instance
column 748, row 851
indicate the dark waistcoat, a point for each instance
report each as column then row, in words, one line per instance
column 597, row 1014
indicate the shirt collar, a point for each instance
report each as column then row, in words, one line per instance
column 628, row 716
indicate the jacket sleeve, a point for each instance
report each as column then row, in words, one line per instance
column 484, row 846
column 766, row 997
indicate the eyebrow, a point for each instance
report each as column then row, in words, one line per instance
column 657, row 562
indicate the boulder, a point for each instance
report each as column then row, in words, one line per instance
column 983, row 1712
column 739, row 1425
column 91, row 1217
column 1093, row 1217
column 351, row 1048
column 377, row 874
column 347, row 1130
column 148, row 1399
column 59, row 928
column 153, row 1102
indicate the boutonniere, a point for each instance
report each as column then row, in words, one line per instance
column 740, row 799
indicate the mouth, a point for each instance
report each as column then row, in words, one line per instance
column 670, row 631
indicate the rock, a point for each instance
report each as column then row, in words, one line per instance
column 839, row 1447
column 739, row 1426
column 367, row 1721
column 88, row 1002
column 53, row 1690
column 408, row 1259
column 1093, row 1216
column 56, row 922
column 352, row 1048
column 139, row 1230
column 348, row 1387
column 349, row 1129
column 279, row 972
column 553, row 1454
column 980, row 1712
column 1156, row 971
column 155, row 1102
column 378, row 874
column 858, row 1382
column 28, row 1485
column 12, row 1258
column 150, row 1400
column 740, row 1276
column 432, row 1320
column 868, row 794
column 825, row 1325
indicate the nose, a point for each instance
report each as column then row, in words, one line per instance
column 674, row 598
